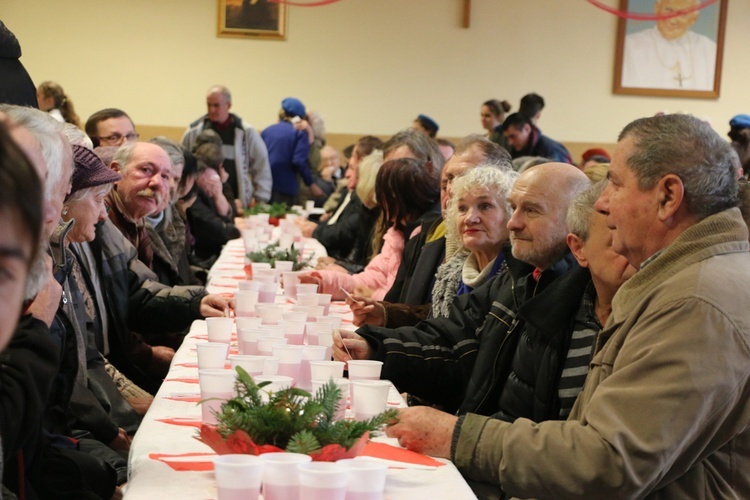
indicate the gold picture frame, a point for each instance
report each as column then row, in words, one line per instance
column 648, row 64
column 261, row 19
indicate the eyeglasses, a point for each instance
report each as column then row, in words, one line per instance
column 119, row 137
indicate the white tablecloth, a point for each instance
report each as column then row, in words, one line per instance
column 151, row 479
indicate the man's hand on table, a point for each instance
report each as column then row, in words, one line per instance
column 366, row 311
column 425, row 430
column 307, row 227
column 216, row 305
column 121, row 442
column 355, row 344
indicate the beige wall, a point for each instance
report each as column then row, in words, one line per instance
column 369, row 65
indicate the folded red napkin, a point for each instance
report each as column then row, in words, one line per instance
column 179, row 462
column 388, row 452
column 187, row 422
column 184, row 380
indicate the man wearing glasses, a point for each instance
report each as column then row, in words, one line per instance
column 110, row 127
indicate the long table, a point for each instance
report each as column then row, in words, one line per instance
column 169, row 428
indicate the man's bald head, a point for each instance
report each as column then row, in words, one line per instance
column 540, row 199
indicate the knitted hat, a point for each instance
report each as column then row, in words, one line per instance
column 293, row 107
column 595, row 152
column 89, row 170
column 740, row 121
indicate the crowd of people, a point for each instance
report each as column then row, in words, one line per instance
column 561, row 330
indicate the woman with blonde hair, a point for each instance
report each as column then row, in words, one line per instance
column 52, row 99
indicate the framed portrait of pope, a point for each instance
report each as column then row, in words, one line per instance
column 673, row 55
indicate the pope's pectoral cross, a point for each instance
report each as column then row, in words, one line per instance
column 679, row 77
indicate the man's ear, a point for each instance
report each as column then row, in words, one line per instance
column 671, row 195
column 116, row 168
column 576, row 245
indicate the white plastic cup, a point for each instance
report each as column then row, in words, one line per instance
column 307, row 288
column 294, row 331
column 258, row 266
column 265, row 344
column 290, row 360
column 267, row 293
column 294, row 316
column 345, row 385
column 219, row 329
column 324, row 299
column 310, row 353
column 325, row 337
column 270, row 365
column 216, row 386
column 246, row 286
column 314, row 311
column 245, row 301
column 334, row 321
column 253, row 365
column 366, row 479
column 323, row 370
column 309, row 205
column 291, row 280
column 277, row 382
column 247, row 322
column 212, row 355
column 306, row 299
column 247, row 339
column 284, row 266
column 266, row 276
column 323, row 480
column 238, row 476
column 364, row 369
column 269, row 315
column 369, row 398
column 280, row 476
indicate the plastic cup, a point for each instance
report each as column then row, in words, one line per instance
column 369, row 398
column 259, row 266
column 277, row 382
column 307, row 288
column 247, row 339
column 364, row 369
column 309, row 353
column 219, row 329
column 253, row 365
column 247, row 322
column 294, row 316
column 245, row 301
column 269, row 315
column 314, row 311
column 309, row 205
column 324, row 299
column 345, row 385
column 291, row 280
column 212, row 354
column 323, row 480
column 280, row 476
column 334, row 321
column 294, row 331
column 238, row 476
column 267, row 294
column 306, row 299
column 265, row 344
column 266, row 275
column 284, row 266
column 290, row 360
column 270, row 365
column 366, row 479
column 323, row 370
column 216, row 387
column 325, row 337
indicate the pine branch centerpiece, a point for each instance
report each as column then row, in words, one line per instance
column 272, row 253
column 291, row 420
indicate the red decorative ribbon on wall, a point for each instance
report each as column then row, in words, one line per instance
column 640, row 16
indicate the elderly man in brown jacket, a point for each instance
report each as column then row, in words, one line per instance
column 664, row 412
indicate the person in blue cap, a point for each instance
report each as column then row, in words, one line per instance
column 426, row 125
column 288, row 150
column 739, row 134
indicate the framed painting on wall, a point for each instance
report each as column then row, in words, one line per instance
column 679, row 56
column 252, row 18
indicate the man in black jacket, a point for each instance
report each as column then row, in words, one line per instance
column 462, row 362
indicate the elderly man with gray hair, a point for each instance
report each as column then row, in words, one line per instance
column 664, row 411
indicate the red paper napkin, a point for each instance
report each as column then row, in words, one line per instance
column 184, row 380
column 185, row 399
column 187, row 422
column 388, row 452
column 186, row 465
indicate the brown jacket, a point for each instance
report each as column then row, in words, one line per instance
column 665, row 412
